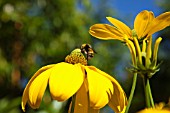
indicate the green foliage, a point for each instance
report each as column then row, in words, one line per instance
column 41, row 32
column 35, row 33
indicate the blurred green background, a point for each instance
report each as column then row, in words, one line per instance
column 34, row 33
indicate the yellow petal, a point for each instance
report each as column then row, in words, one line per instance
column 105, row 32
column 159, row 23
column 82, row 100
column 100, row 88
column 142, row 22
column 118, row 99
column 65, row 80
column 151, row 110
column 91, row 110
column 37, row 88
column 25, row 93
column 121, row 26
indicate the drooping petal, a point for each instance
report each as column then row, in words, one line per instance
column 142, row 21
column 160, row 22
column 91, row 110
column 118, row 100
column 65, row 80
column 106, row 32
column 26, row 90
column 132, row 49
column 37, row 88
column 81, row 100
column 121, row 26
column 100, row 88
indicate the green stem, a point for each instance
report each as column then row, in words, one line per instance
column 147, row 98
column 131, row 92
column 150, row 93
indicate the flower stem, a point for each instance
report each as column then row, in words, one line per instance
column 131, row 92
column 150, row 93
column 147, row 98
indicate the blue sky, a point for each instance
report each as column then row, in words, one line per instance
column 132, row 7
column 128, row 9
column 135, row 6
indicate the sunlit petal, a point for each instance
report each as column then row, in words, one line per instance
column 105, row 32
column 25, row 93
column 100, row 88
column 37, row 88
column 159, row 23
column 151, row 18
column 118, row 100
column 142, row 22
column 121, row 26
column 65, row 80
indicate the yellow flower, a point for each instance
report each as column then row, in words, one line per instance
column 159, row 108
column 145, row 25
column 151, row 110
column 91, row 88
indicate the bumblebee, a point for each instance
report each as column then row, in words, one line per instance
column 87, row 50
